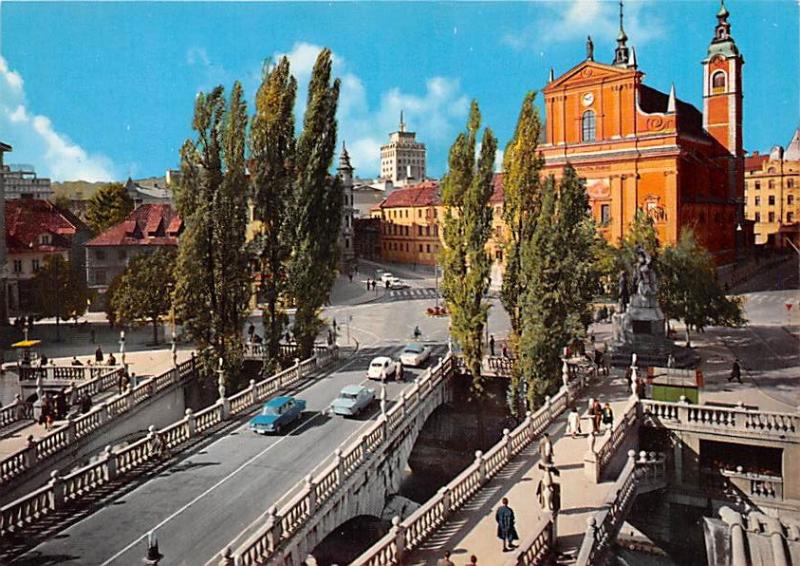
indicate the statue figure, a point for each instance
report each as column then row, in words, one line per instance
column 622, row 286
column 589, row 48
column 645, row 276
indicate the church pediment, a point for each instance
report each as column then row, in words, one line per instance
column 589, row 71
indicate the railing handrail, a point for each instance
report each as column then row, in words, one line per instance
column 740, row 410
column 12, row 515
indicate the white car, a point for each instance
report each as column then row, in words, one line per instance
column 414, row 354
column 386, row 276
column 381, row 368
column 396, row 283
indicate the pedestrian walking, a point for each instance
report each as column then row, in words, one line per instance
column 736, row 371
column 506, row 531
column 112, row 361
column 505, row 351
column 98, row 355
column 86, row 403
column 417, row 332
column 546, row 450
column 491, row 345
column 574, row 422
column 250, row 331
column 76, row 361
column 597, row 415
column 445, row 560
column 608, row 417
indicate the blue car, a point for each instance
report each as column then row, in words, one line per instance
column 277, row 414
column 352, row 400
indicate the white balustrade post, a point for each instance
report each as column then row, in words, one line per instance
column 110, row 466
column 225, row 404
column 549, row 405
column 507, row 444
column 340, row 471
column 226, row 557
column 364, row 448
column 528, row 422
column 70, row 430
column 191, row 426
column 253, row 392
column 399, row 534
column 591, row 524
column 311, row 493
column 683, row 410
column 564, row 373
column 57, row 487
column 481, row 466
column 444, row 492
column 30, row 453
column 298, row 370
column 274, row 529
column 403, row 403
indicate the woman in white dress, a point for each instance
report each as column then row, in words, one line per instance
column 574, row 422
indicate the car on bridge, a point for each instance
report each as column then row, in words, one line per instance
column 277, row 414
column 381, row 368
column 386, row 276
column 352, row 400
column 414, row 354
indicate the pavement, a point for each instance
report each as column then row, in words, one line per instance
column 473, row 530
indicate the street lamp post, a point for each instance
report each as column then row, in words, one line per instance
column 122, row 347
column 436, row 279
column 174, row 349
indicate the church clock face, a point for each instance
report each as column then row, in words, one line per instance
column 587, row 99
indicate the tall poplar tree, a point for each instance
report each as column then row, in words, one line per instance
column 272, row 146
column 316, row 206
column 522, row 188
column 466, row 191
column 212, row 275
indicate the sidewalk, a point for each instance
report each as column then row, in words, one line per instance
column 473, row 530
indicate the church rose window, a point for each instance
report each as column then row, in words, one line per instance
column 588, row 126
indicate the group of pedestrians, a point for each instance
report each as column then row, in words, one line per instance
column 504, row 349
column 56, row 407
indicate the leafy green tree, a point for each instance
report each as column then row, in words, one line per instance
column 272, row 147
column 144, row 291
column 688, row 290
column 110, row 205
column 212, row 271
column 316, row 206
column 466, row 191
column 522, row 187
column 59, row 291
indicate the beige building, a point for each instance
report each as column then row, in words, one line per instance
column 772, row 193
column 403, row 158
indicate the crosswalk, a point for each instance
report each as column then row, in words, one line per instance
column 410, row 294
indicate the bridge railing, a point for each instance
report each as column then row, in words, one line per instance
column 413, row 531
column 63, row 373
column 733, row 420
column 61, row 491
column 284, row 520
column 12, row 413
column 603, row 526
column 539, row 547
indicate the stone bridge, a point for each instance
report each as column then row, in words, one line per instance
column 358, row 480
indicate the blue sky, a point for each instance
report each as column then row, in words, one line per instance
column 103, row 90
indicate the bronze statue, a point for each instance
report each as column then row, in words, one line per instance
column 644, row 278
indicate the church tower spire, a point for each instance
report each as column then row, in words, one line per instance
column 621, row 53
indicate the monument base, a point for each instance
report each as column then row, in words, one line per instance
column 641, row 330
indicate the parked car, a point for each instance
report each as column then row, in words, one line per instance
column 277, row 414
column 381, row 368
column 397, row 283
column 414, row 354
column 386, row 276
column 352, row 400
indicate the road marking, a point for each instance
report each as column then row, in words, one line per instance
column 223, row 480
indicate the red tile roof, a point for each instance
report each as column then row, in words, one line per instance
column 28, row 219
column 754, row 162
column 422, row 194
column 147, row 225
column 497, row 193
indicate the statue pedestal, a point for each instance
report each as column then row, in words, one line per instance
column 641, row 329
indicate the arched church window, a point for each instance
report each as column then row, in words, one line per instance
column 588, row 127
column 718, row 80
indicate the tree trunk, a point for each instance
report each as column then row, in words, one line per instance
column 155, row 330
column 58, row 329
column 688, row 340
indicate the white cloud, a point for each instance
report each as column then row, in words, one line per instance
column 36, row 141
column 435, row 114
column 575, row 19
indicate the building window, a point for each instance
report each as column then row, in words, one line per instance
column 347, row 243
column 771, row 183
column 789, row 183
column 771, row 217
column 771, row 200
column 757, row 185
column 428, row 248
column 420, row 248
column 17, row 266
column 45, row 239
column 427, row 230
column 790, row 199
column 757, row 201
column 35, row 265
column 419, row 230
column 100, row 254
column 588, row 126
column 790, row 217
column 718, row 81
column 100, row 276
column 605, row 214
column 436, row 230
column 758, row 217
column 419, row 213
column 406, row 246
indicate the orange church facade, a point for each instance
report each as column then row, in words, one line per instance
column 639, row 148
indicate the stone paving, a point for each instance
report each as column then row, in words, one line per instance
column 472, row 530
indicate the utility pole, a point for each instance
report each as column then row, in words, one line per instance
column 436, row 278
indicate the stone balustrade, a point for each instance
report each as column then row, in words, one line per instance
column 258, row 352
column 597, row 459
column 736, row 421
column 413, row 531
column 289, row 516
column 764, row 487
column 61, row 491
column 642, row 471
column 12, row 413
column 64, row 373
column 539, row 548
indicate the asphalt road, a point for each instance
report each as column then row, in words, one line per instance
column 200, row 504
